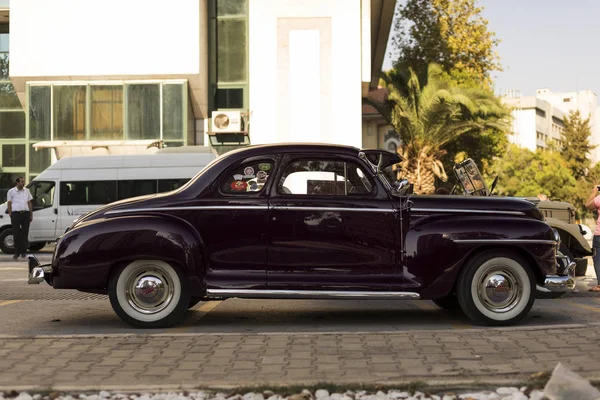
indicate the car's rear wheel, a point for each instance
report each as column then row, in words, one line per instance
column 449, row 302
column 149, row 294
column 496, row 288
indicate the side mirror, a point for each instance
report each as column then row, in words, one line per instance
column 403, row 187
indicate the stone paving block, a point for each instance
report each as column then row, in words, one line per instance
column 237, row 365
column 383, row 359
column 155, row 371
column 353, row 364
column 113, row 361
column 78, row 366
column 299, row 373
column 299, row 355
column 273, row 360
column 269, row 368
column 132, row 366
column 300, row 363
column 328, row 367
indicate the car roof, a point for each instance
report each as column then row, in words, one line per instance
column 294, row 148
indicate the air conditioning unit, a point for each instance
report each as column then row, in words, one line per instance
column 226, row 121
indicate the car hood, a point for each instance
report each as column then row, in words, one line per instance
column 477, row 204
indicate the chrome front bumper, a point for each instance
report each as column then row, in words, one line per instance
column 560, row 283
column 38, row 273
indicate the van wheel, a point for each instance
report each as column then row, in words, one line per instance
column 149, row 294
column 7, row 241
column 37, row 246
column 496, row 288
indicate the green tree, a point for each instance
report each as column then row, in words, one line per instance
column 576, row 144
column 525, row 173
column 428, row 112
column 451, row 33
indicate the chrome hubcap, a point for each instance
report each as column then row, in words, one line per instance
column 500, row 290
column 149, row 289
column 9, row 241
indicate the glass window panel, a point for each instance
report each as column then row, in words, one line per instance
column 8, row 96
column 87, row 193
column 229, row 98
column 128, row 189
column 12, row 125
column 39, row 112
column 143, row 112
column 107, row 112
column 166, row 185
column 42, row 193
column 13, row 155
column 39, row 160
column 231, row 7
column 173, row 112
column 248, row 178
column 69, row 112
column 7, row 181
column 231, row 50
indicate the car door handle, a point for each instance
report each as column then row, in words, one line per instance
column 56, row 211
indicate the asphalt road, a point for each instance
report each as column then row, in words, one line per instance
column 41, row 310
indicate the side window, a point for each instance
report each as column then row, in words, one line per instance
column 42, row 193
column 84, row 193
column 166, row 185
column 248, row 178
column 324, row 178
column 135, row 188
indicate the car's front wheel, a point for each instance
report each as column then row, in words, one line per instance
column 496, row 288
column 149, row 294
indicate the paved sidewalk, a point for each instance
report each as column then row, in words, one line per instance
column 160, row 362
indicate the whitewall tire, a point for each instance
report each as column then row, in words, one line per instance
column 149, row 294
column 496, row 288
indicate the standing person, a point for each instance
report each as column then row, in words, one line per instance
column 593, row 203
column 21, row 214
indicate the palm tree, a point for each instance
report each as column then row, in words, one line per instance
column 428, row 111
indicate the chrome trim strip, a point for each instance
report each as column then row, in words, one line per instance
column 310, row 294
column 280, row 208
column 453, row 211
column 540, row 241
column 241, row 207
column 293, row 208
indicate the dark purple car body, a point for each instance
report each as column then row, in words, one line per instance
column 349, row 234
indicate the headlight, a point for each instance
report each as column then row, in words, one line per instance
column 556, row 236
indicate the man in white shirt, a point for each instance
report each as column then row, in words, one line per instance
column 20, row 210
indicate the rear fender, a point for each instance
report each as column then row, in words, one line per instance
column 438, row 247
column 86, row 255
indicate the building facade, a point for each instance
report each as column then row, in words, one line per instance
column 539, row 120
column 536, row 124
column 136, row 71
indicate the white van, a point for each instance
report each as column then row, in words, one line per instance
column 76, row 185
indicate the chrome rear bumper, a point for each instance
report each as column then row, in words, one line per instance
column 38, row 273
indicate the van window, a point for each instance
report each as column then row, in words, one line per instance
column 135, row 188
column 42, row 193
column 84, row 193
column 166, row 185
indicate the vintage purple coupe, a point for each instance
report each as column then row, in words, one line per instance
column 307, row 221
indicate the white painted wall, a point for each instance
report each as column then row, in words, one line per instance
column 303, row 106
column 524, row 129
column 104, row 37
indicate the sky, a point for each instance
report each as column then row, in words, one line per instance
column 551, row 44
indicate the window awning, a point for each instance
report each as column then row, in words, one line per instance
column 72, row 148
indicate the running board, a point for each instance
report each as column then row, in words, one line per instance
column 310, row 294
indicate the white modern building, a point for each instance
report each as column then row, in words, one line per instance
column 538, row 120
column 535, row 124
column 88, row 72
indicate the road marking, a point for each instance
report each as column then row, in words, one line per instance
column 14, row 280
column 9, row 302
column 12, row 269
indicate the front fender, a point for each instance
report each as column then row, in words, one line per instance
column 571, row 236
column 438, row 247
column 85, row 256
